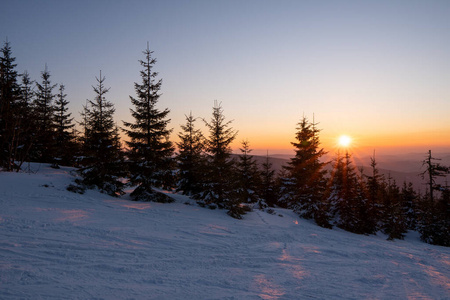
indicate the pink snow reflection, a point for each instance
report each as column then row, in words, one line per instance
column 61, row 215
column 130, row 204
column 137, row 205
column 268, row 290
column 72, row 215
column 436, row 277
column 292, row 264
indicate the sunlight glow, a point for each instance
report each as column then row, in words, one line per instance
column 344, row 141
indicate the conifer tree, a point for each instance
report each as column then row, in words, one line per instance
column 220, row 181
column 303, row 189
column 190, row 158
column 44, row 109
column 375, row 187
column 248, row 175
column 409, row 205
column 150, row 150
column 394, row 220
column 103, row 165
column 267, row 191
column 346, row 194
column 434, row 224
column 432, row 172
column 64, row 139
column 25, row 134
column 9, row 98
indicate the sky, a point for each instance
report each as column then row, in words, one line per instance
column 378, row 71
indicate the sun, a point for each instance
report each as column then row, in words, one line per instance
column 344, row 141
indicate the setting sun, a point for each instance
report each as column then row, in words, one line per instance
column 344, row 141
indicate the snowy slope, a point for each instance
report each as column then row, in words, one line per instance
column 56, row 244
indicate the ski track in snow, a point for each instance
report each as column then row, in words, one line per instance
column 56, row 244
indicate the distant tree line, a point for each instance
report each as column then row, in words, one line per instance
column 35, row 125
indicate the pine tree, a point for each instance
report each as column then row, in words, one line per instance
column 267, row 191
column 103, row 163
column 64, row 138
column 304, row 188
column 374, row 191
column 433, row 171
column 150, row 151
column 409, row 205
column 25, row 134
column 9, row 98
column 220, row 181
column 190, row 158
column 442, row 215
column 248, row 175
column 346, row 194
column 394, row 219
column 44, row 108
column 434, row 224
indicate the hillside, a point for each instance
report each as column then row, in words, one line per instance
column 55, row 244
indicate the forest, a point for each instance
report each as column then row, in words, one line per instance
column 35, row 125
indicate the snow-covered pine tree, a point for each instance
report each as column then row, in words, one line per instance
column 220, row 181
column 434, row 225
column 375, row 188
column 441, row 232
column 304, row 187
column 64, row 138
column 409, row 205
column 248, row 175
column 346, row 194
column 394, row 220
column 25, row 134
column 150, row 150
column 44, row 108
column 190, row 158
column 9, row 99
column 268, row 189
column 103, row 165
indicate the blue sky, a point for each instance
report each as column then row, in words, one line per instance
column 376, row 70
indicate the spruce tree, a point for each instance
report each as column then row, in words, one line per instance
column 432, row 172
column 409, row 205
column 267, row 190
column 64, row 138
column 150, row 150
column 248, row 175
column 394, row 220
column 434, row 224
column 346, row 194
column 190, row 159
column 375, row 186
column 103, row 165
column 304, row 186
column 44, row 109
column 9, row 99
column 220, row 181
column 25, row 133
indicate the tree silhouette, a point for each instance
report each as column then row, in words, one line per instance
column 304, row 186
column 220, row 180
column 150, row 151
column 9, row 99
column 103, row 164
column 190, row 158
column 44, row 109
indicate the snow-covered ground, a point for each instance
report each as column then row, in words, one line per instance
column 55, row 244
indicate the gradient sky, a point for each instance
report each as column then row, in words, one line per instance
column 378, row 71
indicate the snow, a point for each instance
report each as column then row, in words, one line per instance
column 55, row 244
